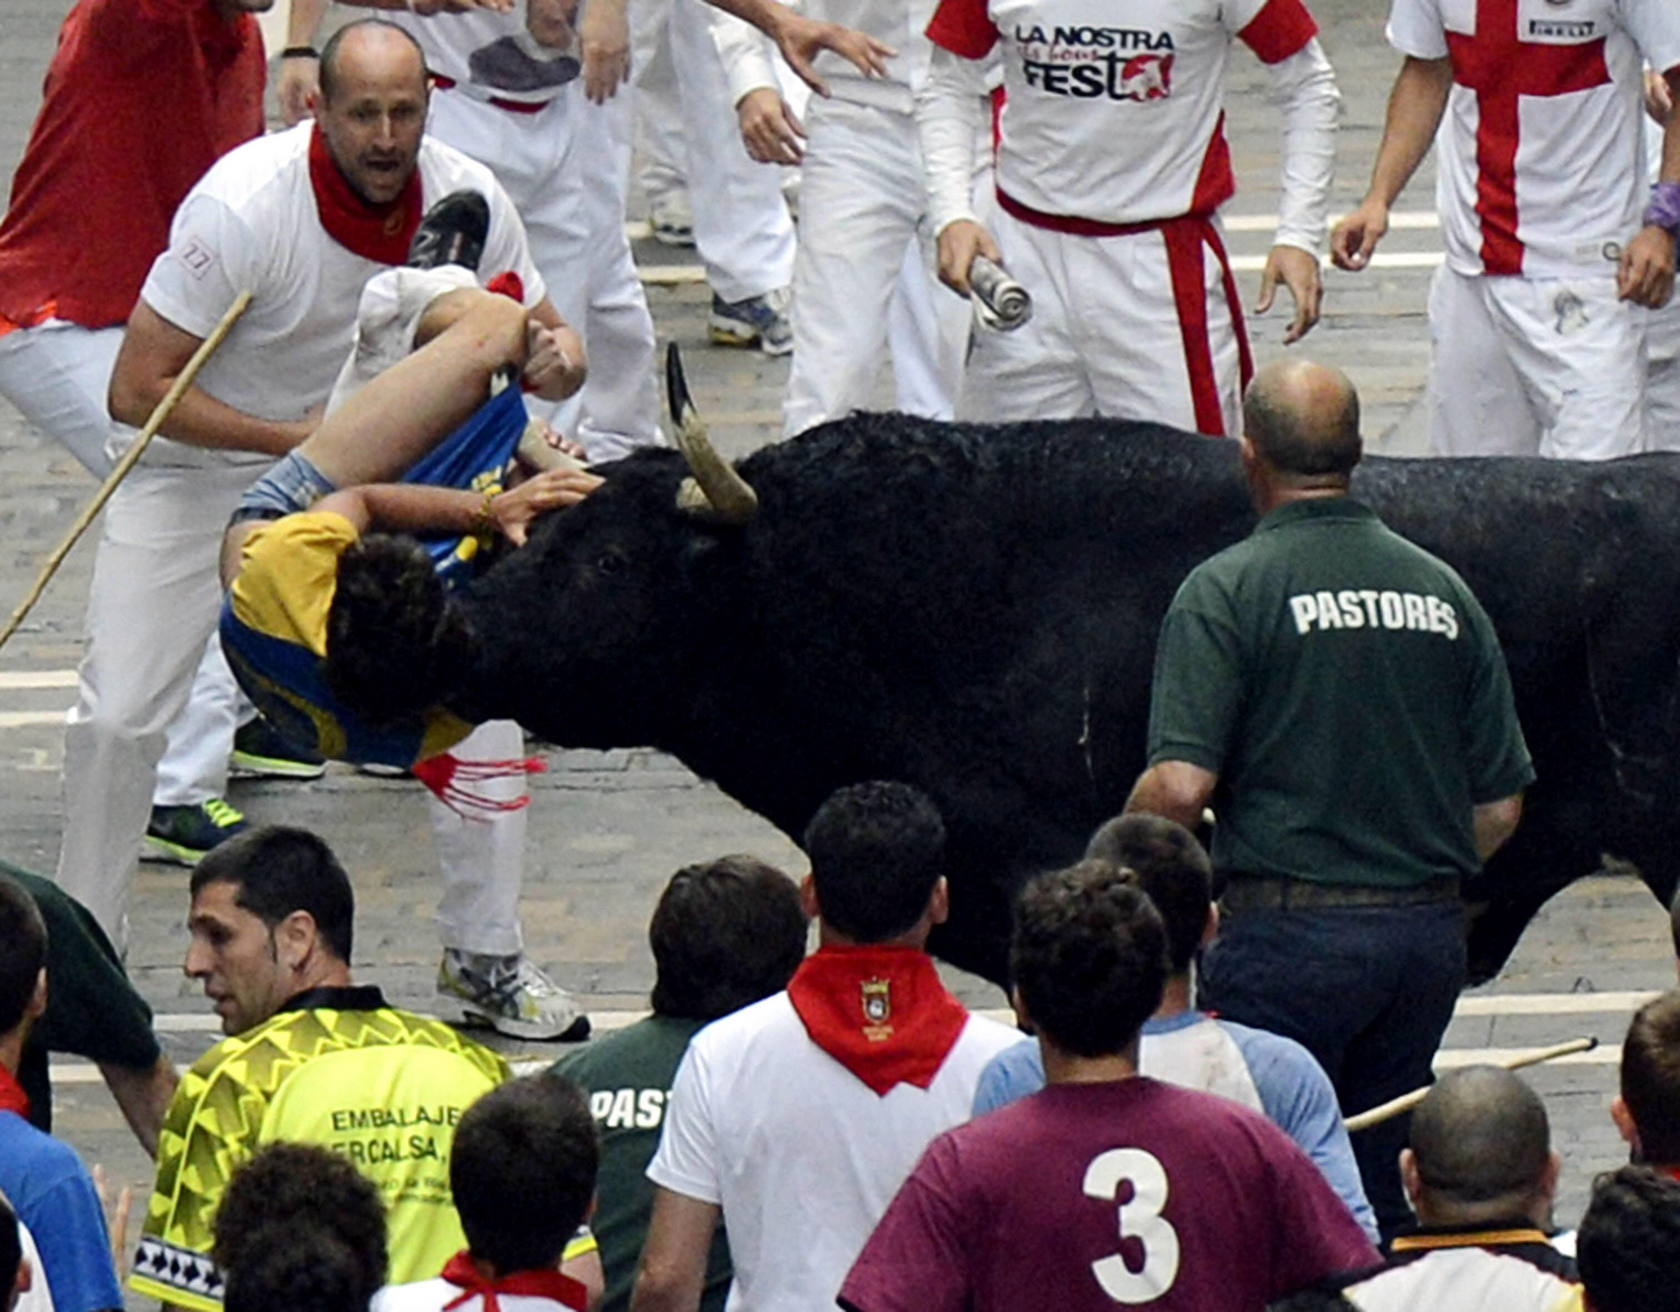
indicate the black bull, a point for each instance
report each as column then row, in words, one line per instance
column 973, row 609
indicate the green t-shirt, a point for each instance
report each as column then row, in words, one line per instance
column 1351, row 695
column 628, row 1077
column 92, row 1009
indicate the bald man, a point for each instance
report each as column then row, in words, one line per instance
column 1482, row 1176
column 1338, row 696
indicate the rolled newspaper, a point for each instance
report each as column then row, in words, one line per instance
column 1001, row 302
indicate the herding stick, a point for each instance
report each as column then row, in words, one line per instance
column 159, row 414
column 1406, row 1101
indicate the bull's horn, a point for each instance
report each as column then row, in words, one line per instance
column 716, row 491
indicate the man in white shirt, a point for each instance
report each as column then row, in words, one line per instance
column 301, row 219
column 1538, row 347
column 798, row 1117
column 1112, row 164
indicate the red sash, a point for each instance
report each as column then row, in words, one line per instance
column 462, row 1271
column 882, row 1013
column 375, row 232
column 12, row 1096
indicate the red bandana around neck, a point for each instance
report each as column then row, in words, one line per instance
column 555, row 1286
column 882, row 1013
column 375, row 232
column 12, row 1096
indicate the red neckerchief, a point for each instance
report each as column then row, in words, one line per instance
column 12, row 1096
column 375, row 232
column 461, row 1270
column 882, row 1013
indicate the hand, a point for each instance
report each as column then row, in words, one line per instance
column 116, row 1217
column 959, row 243
column 554, row 489
column 1354, row 238
column 1659, row 100
column 604, row 35
column 1646, row 275
column 300, row 82
column 1297, row 270
column 554, row 362
column 551, row 437
column 551, row 23
column 800, row 38
column 770, row 130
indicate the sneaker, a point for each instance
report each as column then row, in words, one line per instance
column 762, row 319
column 453, row 232
column 259, row 752
column 511, row 995
column 183, row 834
column 671, row 220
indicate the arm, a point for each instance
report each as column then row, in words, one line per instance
column 555, row 364
column 947, row 122
column 300, row 75
column 1415, row 107
column 672, row 1273
column 587, row 1270
column 1305, row 87
column 1494, row 823
column 412, row 508
column 770, row 130
column 1174, row 789
column 1646, row 275
column 800, row 38
column 153, row 353
column 143, row 1095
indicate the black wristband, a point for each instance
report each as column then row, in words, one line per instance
column 300, row 52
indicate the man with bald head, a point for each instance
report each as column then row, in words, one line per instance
column 1482, row 1176
column 1339, row 698
column 302, row 220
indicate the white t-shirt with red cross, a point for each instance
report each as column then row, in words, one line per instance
column 1117, row 114
column 1540, row 169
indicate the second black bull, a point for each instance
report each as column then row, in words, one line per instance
column 973, row 609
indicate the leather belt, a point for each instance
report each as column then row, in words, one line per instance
column 1279, row 892
column 444, row 83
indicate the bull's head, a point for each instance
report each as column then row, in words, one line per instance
column 715, row 491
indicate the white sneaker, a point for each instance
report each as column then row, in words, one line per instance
column 672, row 219
column 511, row 995
column 387, row 317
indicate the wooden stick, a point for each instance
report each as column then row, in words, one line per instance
column 1406, row 1101
column 160, row 413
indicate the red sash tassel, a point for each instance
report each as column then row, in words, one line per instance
column 555, row 1286
column 447, row 775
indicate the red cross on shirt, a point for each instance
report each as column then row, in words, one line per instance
column 1500, row 67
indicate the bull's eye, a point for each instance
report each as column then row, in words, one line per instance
column 610, row 562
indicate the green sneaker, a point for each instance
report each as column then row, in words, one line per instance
column 183, row 834
column 511, row 995
column 259, row 752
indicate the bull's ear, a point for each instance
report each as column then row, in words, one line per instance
column 715, row 491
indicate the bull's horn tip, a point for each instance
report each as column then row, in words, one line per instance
column 676, row 383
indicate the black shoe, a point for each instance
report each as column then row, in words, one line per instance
column 453, row 232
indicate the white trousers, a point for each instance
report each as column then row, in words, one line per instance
column 1662, row 377
column 1535, row 366
column 482, row 858
column 865, row 277
column 1107, row 336
column 57, row 374
column 741, row 224
column 566, row 169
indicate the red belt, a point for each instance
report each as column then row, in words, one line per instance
column 443, row 83
column 1185, row 236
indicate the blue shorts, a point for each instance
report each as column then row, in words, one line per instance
column 293, row 484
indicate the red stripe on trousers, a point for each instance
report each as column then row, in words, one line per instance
column 1185, row 239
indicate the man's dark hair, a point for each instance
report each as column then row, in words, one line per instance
column 877, row 850
column 1089, row 956
column 1481, row 1135
column 522, row 1169
column 397, row 642
column 1171, row 866
column 1628, row 1248
column 725, row 933
column 279, row 870
column 23, row 952
column 300, row 1227
column 1313, row 1299
column 328, row 64
column 1296, row 440
column 11, row 1252
column 1651, row 1078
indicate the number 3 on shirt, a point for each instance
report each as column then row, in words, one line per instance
column 1140, row 1220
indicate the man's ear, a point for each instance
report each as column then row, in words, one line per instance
column 1210, row 931
column 1625, row 1125
column 296, row 938
column 808, row 898
column 939, row 904
column 37, row 1004
column 1023, row 1021
column 1409, row 1176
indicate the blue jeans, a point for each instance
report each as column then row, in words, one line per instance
column 292, row 484
column 1368, row 991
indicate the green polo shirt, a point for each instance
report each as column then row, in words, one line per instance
column 1351, row 695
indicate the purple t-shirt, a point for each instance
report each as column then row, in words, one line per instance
column 1132, row 1193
